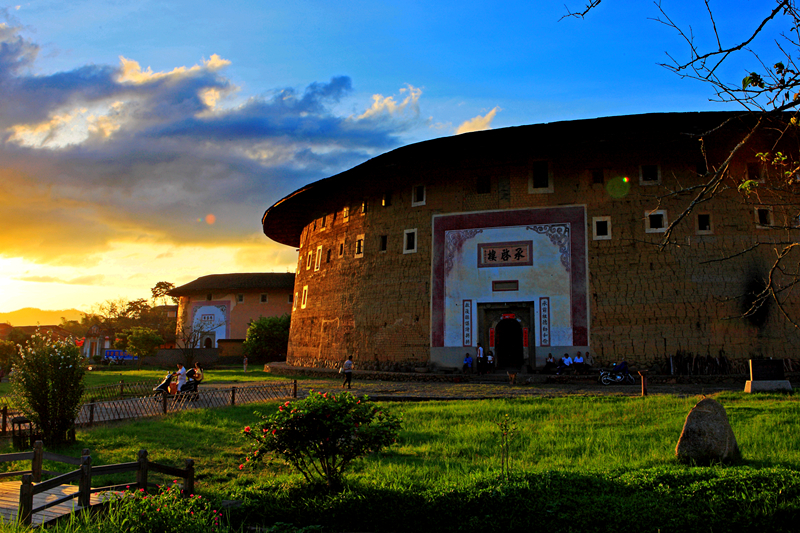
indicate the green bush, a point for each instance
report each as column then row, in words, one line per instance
column 267, row 338
column 322, row 434
column 47, row 382
column 167, row 511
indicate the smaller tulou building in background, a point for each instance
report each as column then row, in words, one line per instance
column 220, row 307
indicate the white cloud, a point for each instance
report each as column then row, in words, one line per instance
column 388, row 105
column 478, row 123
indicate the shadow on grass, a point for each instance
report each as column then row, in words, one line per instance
column 666, row 498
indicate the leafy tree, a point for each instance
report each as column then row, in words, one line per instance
column 161, row 293
column 47, row 384
column 768, row 53
column 267, row 338
column 322, row 434
column 8, row 350
column 142, row 342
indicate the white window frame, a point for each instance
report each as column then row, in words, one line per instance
column 359, row 246
column 407, row 250
column 319, row 258
column 305, row 297
column 414, row 201
column 648, row 228
column 595, row 236
column 710, row 230
column 541, row 190
column 758, row 219
column 644, row 182
column 310, row 259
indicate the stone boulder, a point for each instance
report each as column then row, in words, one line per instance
column 707, row 436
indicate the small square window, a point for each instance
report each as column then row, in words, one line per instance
column 598, row 176
column 240, row 298
column 418, row 195
column 319, row 258
column 265, row 298
column 386, row 201
column 360, row 246
column 601, row 228
column 704, row 225
column 383, row 243
column 540, row 180
column 305, row 298
column 655, row 221
column 764, row 217
column 309, row 260
column 649, row 175
column 410, row 241
column 484, row 185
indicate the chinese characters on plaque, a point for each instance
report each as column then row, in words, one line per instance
column 544, row 320
column 466, row 308
column 503, row 254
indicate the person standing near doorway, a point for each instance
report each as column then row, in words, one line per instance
column 348, row 371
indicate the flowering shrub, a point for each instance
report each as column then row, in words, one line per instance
column 47, row 381
column 166, row 511
column 322, row 434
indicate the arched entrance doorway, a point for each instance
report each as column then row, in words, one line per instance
column 508, row 344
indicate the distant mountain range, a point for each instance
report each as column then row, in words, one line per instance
column 31, row 316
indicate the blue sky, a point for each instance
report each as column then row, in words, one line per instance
column 142, row 141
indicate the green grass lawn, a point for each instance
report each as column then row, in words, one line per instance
column 595, row 450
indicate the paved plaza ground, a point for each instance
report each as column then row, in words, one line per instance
column 395, row 389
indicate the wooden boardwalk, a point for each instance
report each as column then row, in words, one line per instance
column 9, row 502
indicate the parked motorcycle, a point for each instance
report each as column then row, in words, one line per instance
column 616, row 375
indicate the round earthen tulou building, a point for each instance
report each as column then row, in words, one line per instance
column 542, row 239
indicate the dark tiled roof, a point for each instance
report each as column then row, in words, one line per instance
column 231, row 282
column 284, row 221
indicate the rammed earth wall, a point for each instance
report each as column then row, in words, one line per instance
column 373, row 295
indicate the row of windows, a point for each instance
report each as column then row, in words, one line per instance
column 540, row 181
column 656, row 222
column 409, row 247
column 262, row 298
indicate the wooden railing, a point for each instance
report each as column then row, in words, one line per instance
column 32, row 484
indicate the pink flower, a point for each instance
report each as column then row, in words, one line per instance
column 241, row 467
column 247, row 429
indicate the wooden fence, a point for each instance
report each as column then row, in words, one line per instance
column 83, row 476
